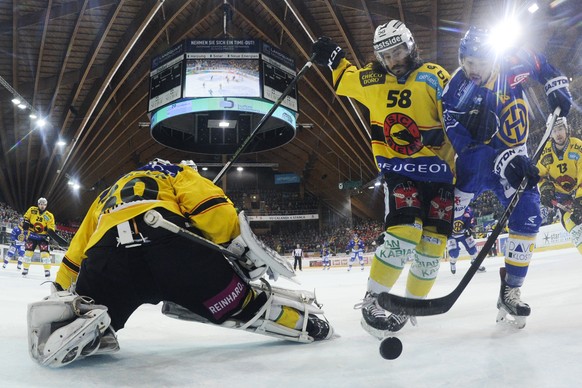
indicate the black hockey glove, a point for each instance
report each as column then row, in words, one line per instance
column 547, row 194
column 559, row 94
column 576, row 216
column 520, row 167
column 327, row 53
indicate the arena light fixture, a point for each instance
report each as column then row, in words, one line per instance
column 533, row 8
column 505, row 35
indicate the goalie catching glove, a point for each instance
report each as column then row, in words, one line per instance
column 256, row 258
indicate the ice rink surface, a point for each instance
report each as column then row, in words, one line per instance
column 462, row 348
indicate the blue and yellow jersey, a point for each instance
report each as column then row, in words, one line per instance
column 503, row 94
column 563, row 168
column 177, row 188
column 40, row 222
column 405, row 118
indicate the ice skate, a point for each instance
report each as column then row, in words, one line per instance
column 25, row 272
column 512, row 310
column 379, row 322
column 453, row 268
column 47, row 273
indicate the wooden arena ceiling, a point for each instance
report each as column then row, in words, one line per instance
column 84, row 64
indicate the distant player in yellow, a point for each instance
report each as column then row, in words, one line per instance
column 561, row 175
column 403, row 95
column 40, row 224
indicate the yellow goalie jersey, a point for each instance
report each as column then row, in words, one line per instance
column 564, row 170
column 406, row 119
column 179, row 189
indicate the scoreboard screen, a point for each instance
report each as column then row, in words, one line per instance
column 221, row 68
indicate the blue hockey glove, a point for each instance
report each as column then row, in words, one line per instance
column 559, row 94
column 518, row 168
column 327, row 53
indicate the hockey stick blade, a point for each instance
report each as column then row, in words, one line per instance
column 423, row 307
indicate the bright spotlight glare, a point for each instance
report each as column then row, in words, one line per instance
column 223, row 124
column 533, row 8
column 41, row 122
column 505, row 35
column 16, row 101
column 239, row 169
column 76, row 186
column 22, row 106
column 32, row 116
column 61, row 143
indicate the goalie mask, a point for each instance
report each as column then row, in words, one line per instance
column 190, row 163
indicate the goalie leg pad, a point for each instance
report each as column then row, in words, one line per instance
column 262, row 320
column 64, row 327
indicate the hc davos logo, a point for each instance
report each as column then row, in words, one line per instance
column 514, row 123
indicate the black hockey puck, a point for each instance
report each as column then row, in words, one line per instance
column 390, row 348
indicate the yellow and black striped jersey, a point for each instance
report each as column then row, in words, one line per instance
column 405, row 118
column 39, row 222
column 177, row 188
column 563, row 169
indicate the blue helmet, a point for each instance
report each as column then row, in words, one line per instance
column 475, row 43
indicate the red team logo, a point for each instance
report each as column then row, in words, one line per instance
column 402, row 134
column 441, row 207
column 406, row 195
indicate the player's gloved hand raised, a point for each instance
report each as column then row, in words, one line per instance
column 327, row 53
column 547, row 194
column 558, row 92
column 520, row 167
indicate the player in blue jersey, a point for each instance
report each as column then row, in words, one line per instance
column 18, row 238
column 325, row 254
column 486, row 119
column 355, row 249
column 463, row 234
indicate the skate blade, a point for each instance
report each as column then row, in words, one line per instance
column 508, row 320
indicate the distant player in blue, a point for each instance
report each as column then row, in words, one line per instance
column 17, row 238
column 463, row 234
column 487, row 120
column 356, row 249
column 325, row 256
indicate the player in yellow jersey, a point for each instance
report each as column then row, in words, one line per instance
column 40, row 225
column 561, row 177
column 403, row 95
column 119, row 261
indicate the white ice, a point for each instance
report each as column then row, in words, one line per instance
column 462, row 348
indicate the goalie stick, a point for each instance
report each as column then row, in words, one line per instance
column 423, row 307
column 264, row 119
